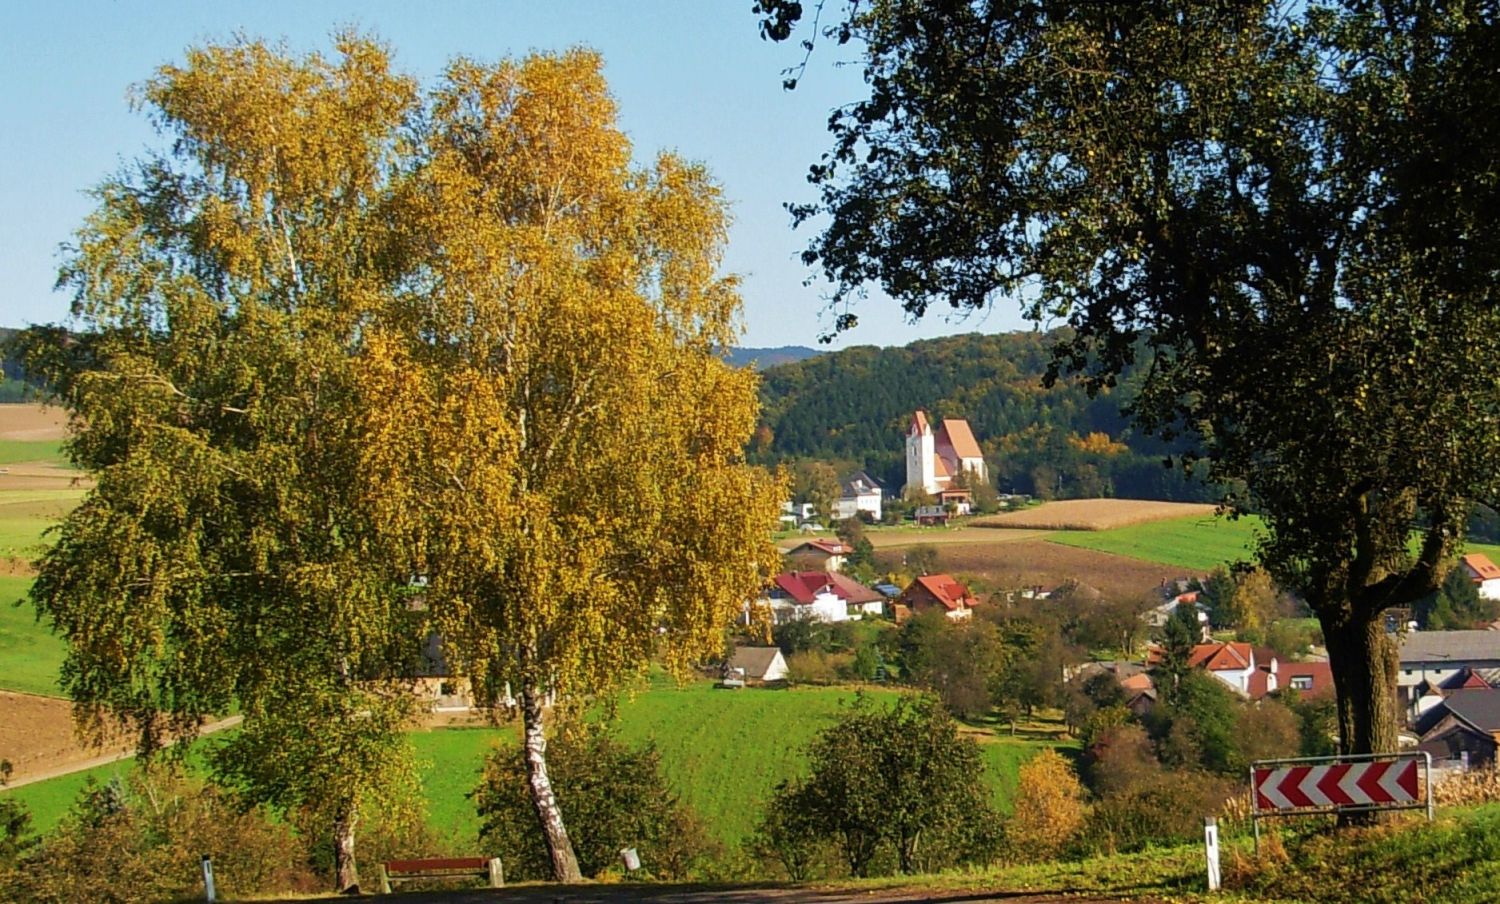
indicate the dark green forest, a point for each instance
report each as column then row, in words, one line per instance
column 852, row 408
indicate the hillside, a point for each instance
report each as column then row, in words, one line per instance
column 762, row 358
column 853, row 407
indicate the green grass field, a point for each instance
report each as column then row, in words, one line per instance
column 1197, row 544
column 25, row 516
column 723, row 751
column 29, row 653
column 16, row 450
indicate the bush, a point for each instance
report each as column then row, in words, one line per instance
column 818, row 667
column 1163, row 808
column 611, row 797
column 1049, row 808
column 142, row 842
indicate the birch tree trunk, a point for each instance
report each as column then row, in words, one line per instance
column 559, row 846
column 345, row 869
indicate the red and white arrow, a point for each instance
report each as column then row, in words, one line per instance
column 1337, row 785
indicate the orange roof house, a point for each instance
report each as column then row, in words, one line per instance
column 940, row 592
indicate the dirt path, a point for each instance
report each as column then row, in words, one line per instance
column 36, row 735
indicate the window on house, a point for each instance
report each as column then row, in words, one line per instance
column 1302, row 682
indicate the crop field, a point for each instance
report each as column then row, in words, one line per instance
column 1006, row 565
column 1094, row 514
column 1198, row 544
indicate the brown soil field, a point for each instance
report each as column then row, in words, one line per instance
column 25, row 421
column 1030, row 562
column 36, row 735
column 1094, row 514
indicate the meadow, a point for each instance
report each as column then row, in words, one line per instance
column 1198, row 544
column 722, row 751
column 29, row 653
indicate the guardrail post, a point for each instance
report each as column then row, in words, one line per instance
column 209, row 894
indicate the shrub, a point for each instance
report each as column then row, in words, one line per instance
column 612, row 797
column 1160, row 809
column 818, row 667
column 142, row 842
column 1049, row 808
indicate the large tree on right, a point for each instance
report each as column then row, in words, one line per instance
column 1282, row 212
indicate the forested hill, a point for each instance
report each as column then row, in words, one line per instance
column 852, row 407
column 762, row 358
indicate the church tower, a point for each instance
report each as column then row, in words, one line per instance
column 921, row 456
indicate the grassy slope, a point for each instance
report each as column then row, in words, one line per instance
column 1197, row 544
column 723, row 751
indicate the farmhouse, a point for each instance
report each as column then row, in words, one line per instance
column 1484, row 573
column 940, row 592
column 935, row 457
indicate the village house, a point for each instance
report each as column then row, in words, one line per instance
column 935, row 457
column 859, row 493
column 939, row 592
column 821, row 595
column 1484, row 573
column 1464, row 726
column 1253, row 672
column 818, row 555
column 1434, row 658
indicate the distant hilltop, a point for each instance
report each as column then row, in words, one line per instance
column 762, row 358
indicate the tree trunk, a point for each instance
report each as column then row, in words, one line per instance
column 345, row 869
column 1364, row 665
column 559, row 846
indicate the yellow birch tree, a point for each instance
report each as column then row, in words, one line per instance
column 219, row 558
column 551, row 438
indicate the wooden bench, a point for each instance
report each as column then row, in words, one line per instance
column 441, row 868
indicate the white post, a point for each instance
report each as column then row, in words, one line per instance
column 497, row 873
column 208, row 880
column 1211, row 850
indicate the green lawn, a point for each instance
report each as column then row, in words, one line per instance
column 29, row 654
column 1194, row 543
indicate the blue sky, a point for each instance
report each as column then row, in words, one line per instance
column 690, row 76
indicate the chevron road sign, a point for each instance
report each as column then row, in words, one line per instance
column 1291, row 787
column 1309, row 785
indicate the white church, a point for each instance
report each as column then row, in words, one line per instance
column 935, row 457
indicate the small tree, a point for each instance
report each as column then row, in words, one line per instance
column 899, row 778
column 615, row 797
column 921, row 559
column 1049, row 808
